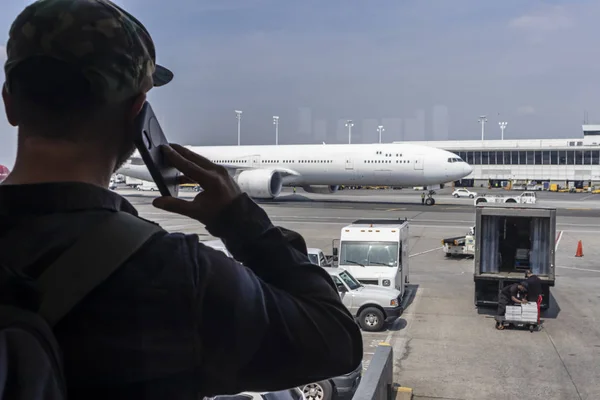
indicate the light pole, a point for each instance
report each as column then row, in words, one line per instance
column 482, row 120
column 502, row 128
column 276, row 123
column 238, row 115
column 349, row 125
column 380, row 129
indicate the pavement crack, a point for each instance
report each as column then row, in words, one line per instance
column 564, row 365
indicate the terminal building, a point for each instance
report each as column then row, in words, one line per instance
column 565, row 162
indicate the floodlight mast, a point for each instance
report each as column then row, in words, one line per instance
column 349, row 125
column 238, row 115
column 482, row 120
column 276, row 123
column 502, row 128
column 380, row 129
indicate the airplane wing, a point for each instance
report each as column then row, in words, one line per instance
column 233, row 169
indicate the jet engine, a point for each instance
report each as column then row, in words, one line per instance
column 322, row 189
column 260, row 183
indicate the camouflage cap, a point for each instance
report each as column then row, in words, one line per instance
column 112, row 48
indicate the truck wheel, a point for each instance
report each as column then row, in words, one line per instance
column 500, row 326
column 531, row 328
column 430, row 201
column 471, row 196
column 481, row 201
column 371, row 319
column 318, row 391
column 456, row 195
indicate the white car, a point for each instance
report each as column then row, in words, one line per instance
column 464, row 193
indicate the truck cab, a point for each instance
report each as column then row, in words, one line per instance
column 375, row 252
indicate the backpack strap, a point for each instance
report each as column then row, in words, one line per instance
column 88, row 262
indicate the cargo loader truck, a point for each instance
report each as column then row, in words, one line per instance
column 510, row 239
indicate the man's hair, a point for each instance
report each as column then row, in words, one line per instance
column 54, row 98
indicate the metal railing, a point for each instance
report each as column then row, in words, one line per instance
column 378, row 381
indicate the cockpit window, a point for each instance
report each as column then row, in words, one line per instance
column 454, row 159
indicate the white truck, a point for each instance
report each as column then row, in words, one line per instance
column 375, row 251
column 524, row 198
column 133, row 182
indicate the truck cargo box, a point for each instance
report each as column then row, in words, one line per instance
column 511, row 238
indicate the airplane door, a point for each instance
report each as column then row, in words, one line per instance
column 255, row 161
column 419, row 160
column 349, row 163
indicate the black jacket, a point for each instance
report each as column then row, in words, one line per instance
column 180, row 319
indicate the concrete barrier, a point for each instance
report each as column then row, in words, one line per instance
column 378, row 381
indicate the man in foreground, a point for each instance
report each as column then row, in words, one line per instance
column 178, row 320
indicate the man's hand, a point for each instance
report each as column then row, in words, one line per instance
column 219, row 189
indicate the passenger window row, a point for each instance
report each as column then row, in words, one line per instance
column 531, row 157
column 385, row 161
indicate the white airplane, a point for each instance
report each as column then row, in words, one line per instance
column 262, row 171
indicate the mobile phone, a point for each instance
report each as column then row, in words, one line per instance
column 148, row 136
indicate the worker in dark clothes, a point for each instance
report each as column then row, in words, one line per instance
column 423, row 198
column 512, row 294
column 533, row 284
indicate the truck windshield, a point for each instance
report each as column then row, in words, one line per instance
column 349, row 280
column 369, row 254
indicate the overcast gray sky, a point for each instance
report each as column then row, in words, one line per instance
column 425, row 69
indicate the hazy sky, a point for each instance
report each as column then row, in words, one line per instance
column 316, row 63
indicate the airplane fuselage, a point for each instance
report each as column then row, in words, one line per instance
column 348, row 164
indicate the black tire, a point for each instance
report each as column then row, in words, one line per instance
column 471, row 196
column 510, row 201
column 456, row 195
column 429, row 201
column 531, row 328
column 480, row 201
column 318, row 391
column 499, row 326
column 371, row 319
column 448, row 254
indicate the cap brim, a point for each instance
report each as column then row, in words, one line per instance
column 162, row 76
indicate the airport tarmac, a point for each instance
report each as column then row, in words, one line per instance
column 444, row 348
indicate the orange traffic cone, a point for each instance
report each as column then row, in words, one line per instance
column 579, row 250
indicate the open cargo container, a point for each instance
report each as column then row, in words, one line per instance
column 509, row 239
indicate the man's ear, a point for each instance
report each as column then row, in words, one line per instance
column 137, row 105
column 9, row 107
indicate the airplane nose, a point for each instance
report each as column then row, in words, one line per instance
column 467, row 169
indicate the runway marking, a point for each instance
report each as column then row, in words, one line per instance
column 393, row 209
column 578, row 209
column 425, row 252
column 580, row 269
column 585, row 197
column 557, row 241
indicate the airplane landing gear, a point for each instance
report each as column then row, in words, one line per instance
column 430, row 200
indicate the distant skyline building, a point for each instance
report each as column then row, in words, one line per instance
column 440, row 123
column 369, row 130
column 320, row 131
column 305, row 124
column 394, row 130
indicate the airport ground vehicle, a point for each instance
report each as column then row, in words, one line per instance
column 460, row 245
column 340, row 387
column 509, row 239
column 462, row 192
column 317, row 257
column 371, row 305
column 289, row 394
column 524, row 198
column 375, row 251
column 147, row 186
column 133, row 182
